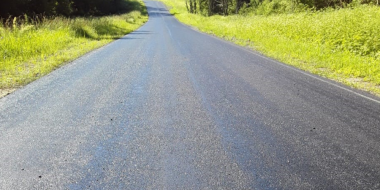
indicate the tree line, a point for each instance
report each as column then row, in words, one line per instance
column 13, row 8
column 226, row 7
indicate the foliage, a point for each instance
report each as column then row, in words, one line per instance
column 66, row 8
column 30, row 48
column 265, row 7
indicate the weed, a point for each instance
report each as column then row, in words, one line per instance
column 31, row 48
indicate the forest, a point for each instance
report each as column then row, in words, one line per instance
column 14, row 8
column 265, row 7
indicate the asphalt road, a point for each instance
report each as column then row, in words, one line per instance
column 167, row 107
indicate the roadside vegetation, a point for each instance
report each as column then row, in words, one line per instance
column 336, row 39
column 32, row 46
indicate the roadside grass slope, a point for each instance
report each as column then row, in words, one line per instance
column 343, row 44
column 31, row 49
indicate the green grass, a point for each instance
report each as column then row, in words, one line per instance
column 343, row 45
column 31, row 49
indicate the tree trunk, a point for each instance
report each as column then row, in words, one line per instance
column 195, row 6
column 210, row 7
column 187, row 6
column 237, row 6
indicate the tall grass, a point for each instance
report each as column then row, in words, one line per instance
column 343, row 44
column 31, row 49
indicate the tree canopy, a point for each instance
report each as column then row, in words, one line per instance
column 61, row 7
column 225, row 7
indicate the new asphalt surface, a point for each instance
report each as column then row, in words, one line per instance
column 167, row 107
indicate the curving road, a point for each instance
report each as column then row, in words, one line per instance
column 167, row 107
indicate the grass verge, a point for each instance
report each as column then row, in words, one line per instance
column 342, row 45
column 31, row 49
